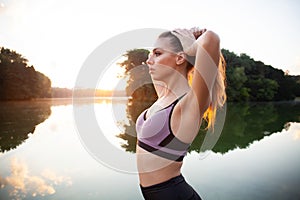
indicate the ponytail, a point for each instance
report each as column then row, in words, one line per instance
column 218, row 94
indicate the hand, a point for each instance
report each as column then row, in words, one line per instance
column 186, row 38
column 197, row 32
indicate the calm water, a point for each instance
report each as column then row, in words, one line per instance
column 42, row 155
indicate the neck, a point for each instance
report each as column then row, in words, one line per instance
column 175, row 85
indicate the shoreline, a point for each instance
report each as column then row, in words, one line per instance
column 99, row 98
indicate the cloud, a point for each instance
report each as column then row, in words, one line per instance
column 20, row 183
column 57, row 180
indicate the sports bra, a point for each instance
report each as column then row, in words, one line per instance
column 155, row 135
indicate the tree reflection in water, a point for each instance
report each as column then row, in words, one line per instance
column 134, row 109
column 244, row 124
column 18, row 119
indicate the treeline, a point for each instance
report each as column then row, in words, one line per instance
column 246, row 79
column 18, row 81
column 250, row 80
column 68, row 93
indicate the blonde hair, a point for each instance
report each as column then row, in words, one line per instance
column 218, row 91
column 218, row 94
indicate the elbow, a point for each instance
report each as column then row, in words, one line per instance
column 211, row 43
column 211, row 38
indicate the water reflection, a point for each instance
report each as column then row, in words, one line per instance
column 18, row 120
column 20, row 183
column 53, row 164
column 245, row 123
column 133, row 110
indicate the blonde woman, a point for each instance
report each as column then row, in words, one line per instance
column 166, row 129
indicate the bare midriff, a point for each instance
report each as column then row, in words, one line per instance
column 154, row 169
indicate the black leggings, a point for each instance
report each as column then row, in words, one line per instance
column 174, row 189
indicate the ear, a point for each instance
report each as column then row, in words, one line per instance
column 180, row 58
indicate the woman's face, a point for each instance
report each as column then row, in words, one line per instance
column 162, row 60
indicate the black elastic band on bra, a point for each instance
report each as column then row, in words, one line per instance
column 160, row 153
column 171, row 142
column 173, row 103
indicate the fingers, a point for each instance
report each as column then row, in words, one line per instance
column 188, row 38
column 185, row 32
column 197, row 32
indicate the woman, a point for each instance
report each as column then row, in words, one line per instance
column 166, row 129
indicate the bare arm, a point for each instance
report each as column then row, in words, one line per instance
column 207, row 52
column 206, row 66
column 192, row 107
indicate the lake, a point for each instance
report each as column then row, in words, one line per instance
column 48, row 151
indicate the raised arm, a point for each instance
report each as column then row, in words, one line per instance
column 207, row 87
column 207, row 52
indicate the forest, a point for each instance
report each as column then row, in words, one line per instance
column 18, row 81
column 246, row 79
column 251, row 80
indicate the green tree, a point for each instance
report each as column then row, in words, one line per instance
column 263, row 82
column 140, row 88
column 236, row 89
column 18, row 81
column 262, row 89
column 139, row 85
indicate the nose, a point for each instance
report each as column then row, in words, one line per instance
column 149, row 61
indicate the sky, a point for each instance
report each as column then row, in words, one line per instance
column 57, row 36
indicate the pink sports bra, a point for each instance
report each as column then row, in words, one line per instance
column 155, row 135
